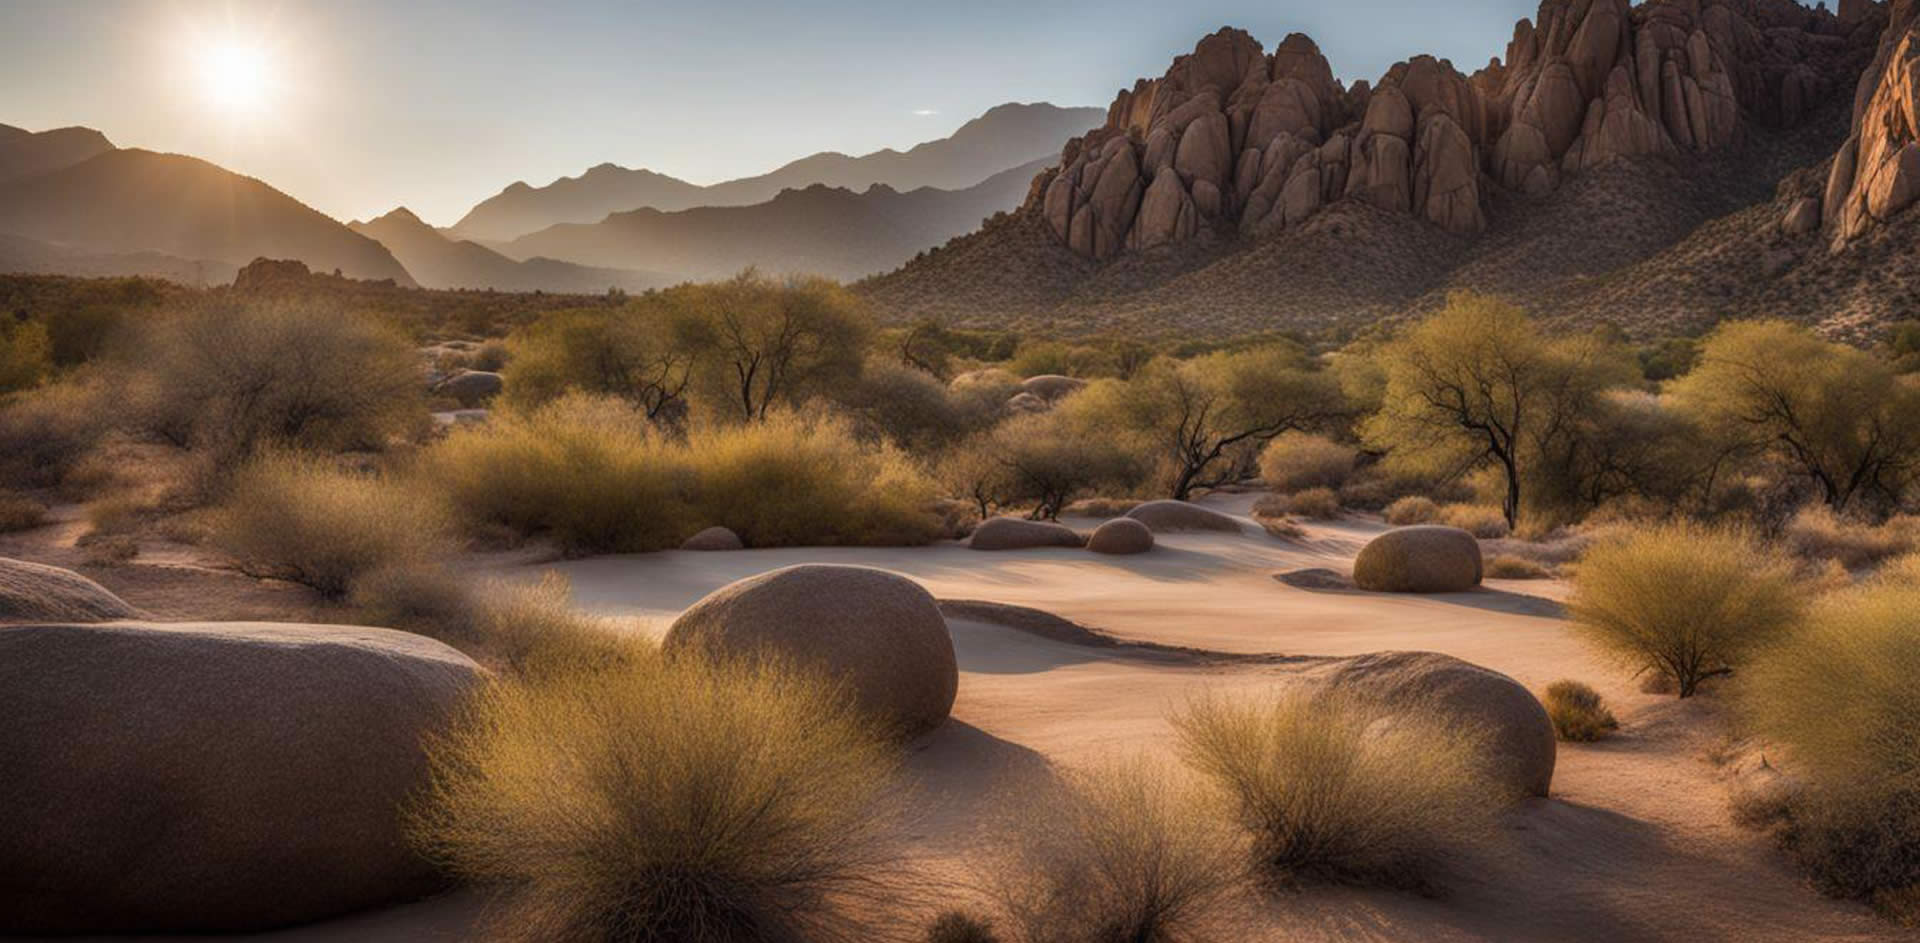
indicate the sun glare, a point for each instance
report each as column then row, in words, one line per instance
column 236, row 75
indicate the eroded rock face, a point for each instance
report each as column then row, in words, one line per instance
column 1233, row 139
column 1876, row 174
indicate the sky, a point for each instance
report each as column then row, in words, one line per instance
column 358, row 106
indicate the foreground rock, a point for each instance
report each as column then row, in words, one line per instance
column 1170, row 516
column 1121, row 536
column 879, row 632
column 1012, row 533
column 714, row 539
column 32, row 592
column 1423, row 559
column 212, row 777
column 1520, row 740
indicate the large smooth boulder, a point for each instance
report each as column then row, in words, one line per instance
column 879, row 632
column 714, row 539
column 1520, row 742
column 1013, row 533
column 1170, row 516
column 1120, row 536
column 33, row 592
column 1424, row 559
column 213, row 777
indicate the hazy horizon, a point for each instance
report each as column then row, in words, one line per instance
column 355, row 108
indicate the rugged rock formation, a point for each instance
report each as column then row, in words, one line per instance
column 1876, row 174
column 1233, row 139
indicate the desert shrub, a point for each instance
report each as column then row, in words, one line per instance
column 1683, row 600
column 908, row 407
column 1329, row 795
column 114, row 550
column 492, row 356
column 1411, row 510
column 1487, row 523
column 1132, row 851
column 794, row 481
column 1042, row 357
column 1840, row 697
column 1315, row 504
column 1102, row 508
column 671, row 799
column 19, row 512
column 1297, row 460
column 1816, row 533
column 759, row 343
column 1280, row 527
column 303, row 519
column 236, row 377
column 1508, row 567
column 956, row 926
column 46, row 433
column 26, row 354
column 590, row 473
column 624, row 352
column 1906, row 570
column 1578, row 713
column 1044, row 461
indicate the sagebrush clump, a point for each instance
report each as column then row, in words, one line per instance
column 1578, row 712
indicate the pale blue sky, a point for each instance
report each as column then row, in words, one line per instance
column 438, row 104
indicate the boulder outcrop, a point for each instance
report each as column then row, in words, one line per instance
column 1876, row 173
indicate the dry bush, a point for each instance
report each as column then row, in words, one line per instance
column 670, row 799
column 588, row 472
column 1509, row 567
column 1683, row 600
column 959, row 927
column 1314, row 504
column 1840, row 698
column 1296, row 461
column 797, row 481
column 1816, row 533
column 1101, row 508
column 1487, row 523
column 1281, row 528
column 1132, row 851
column 115, row 550
column 46, row 433
column 1412, row 510
column 1905, row 570
column 19, row 512
column 1578, row 713
column 300, row 518
column 1330, row 795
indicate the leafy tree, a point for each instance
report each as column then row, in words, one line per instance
column 765, row 341
column 627, row 352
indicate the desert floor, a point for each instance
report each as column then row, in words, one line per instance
column 1636, row 842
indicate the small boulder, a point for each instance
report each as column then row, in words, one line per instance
column 1520, row 740
column 213, row 777
column 472, row 387
column 1052, row 387
column 1169, row 516
column 33, row 592
column 1013, row 533
column 1317, row 578
column 879, row 632
column 1803, row 217
column 1027, row 403
column 1423, row 559
column 714, row 539
column 1122, row 535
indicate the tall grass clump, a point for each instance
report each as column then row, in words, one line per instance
column 304, row 519
column 791, row 480
column 1578, row 713
column 1128, row 851
column 672, row 799
column 1297, row 461
column 1330, row 796
column 1411, row 510
column 1683, row 601
column 590, row 473
column 1841, row 698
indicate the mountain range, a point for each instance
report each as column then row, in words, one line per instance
column 1659, row 167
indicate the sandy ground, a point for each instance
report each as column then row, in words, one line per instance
column 1636, row 842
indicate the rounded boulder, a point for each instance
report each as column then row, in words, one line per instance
column 1012, row 533
column 473, row 387
column 1519, row 737
column 714, row 539
column 1424, row 559
column 1120, row 536
column 34, row 592
column 213, row 777
column 1170, row 516
column 880, row 633
column 1052, row 387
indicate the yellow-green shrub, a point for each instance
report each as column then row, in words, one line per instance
column 1578, row 713
column 1683, row 600
column 1487, row 523
column 1818, row 534
column 1315, row 504
column 1296, row 461
column 1411, row 510
column 664, row 799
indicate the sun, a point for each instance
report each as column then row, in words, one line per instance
column 237, row 75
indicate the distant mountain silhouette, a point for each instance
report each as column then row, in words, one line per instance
column 134, row 201
column 823, row 230
column 26, row 153
column 436, row 261
column 22, row 256
column 1006, row 136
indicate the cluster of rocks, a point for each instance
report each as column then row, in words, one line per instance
column 1131, row 534
column 1232, row 139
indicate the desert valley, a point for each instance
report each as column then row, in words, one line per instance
column 1280, row 505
